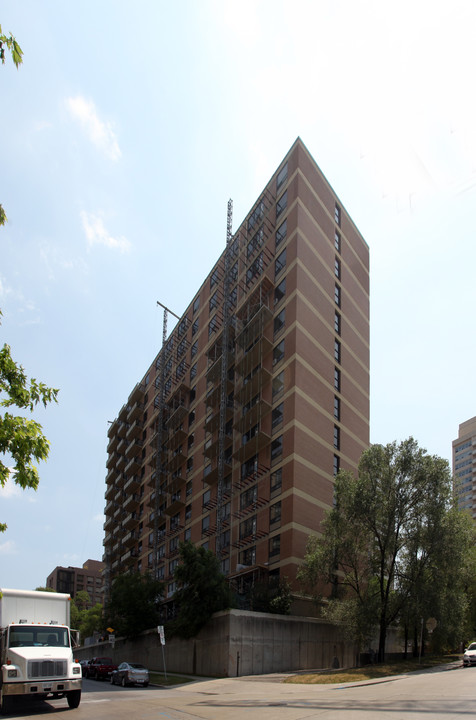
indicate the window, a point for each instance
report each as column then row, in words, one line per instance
column 248, row 527
column 281, row 232
column 337, row 267
column 205, row 524
column 194, row 349
column 278, row 353
column 193, row 371
column 174, row 543
column 282, row 204
column 196, row 304
column 249, row 467
column 194, row 327
column 337, row 240
column 214, row 277
column 191, row 418
column 188, row 489
column 248, row 556
column 168, row 386
column 188, row 512
column 193, row 393
column 255, row 242
column 275, row 513
column 337, row 437
column 279, row 321
column 275, row 482
column 206, row 497
column 277, row 415
column 249, row 434
column 255, row 269
column 337, row 379
column 213, row 302
column 337, row 295
column 276, row 448
column 191, row 438
column 172, row 565
column 189, row 465
column 336, row 465
column 337, row 322
column 181, row 369
column 161, row 573
column 280, row 263
column 256, row 215
column 212, row 326
column 282, row 176
column 234, row 272
column 274, row 546
column 187, row 536
column 248, row 497
column 234, row 296
column 337, row 351
column 182, row 328
column 278, row 385
column 337, row 214
column 280, row 291
column 336, row 407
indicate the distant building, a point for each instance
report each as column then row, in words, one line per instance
column 232, row 438
column 74, row 579
column 464, row 466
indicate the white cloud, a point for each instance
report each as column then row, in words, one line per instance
column 97, row 234
column 12, row 490
column 100, row 133
column 8, row 548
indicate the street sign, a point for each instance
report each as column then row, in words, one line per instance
column 160, row 630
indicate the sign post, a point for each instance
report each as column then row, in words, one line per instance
column 160, row 630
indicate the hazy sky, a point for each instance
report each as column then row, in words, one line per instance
column 123, row 135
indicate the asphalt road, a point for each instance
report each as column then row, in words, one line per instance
column 434, row 695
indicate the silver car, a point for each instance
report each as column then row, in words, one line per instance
column 469, row 657
column 130, row 674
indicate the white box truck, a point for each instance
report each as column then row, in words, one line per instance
column 36, row 649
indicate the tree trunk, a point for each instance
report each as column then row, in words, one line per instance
column 381, row 642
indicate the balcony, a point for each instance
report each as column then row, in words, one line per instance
column 252, row 447
column 131, row 538
column 211, row 451
column 135, row 412
column 177, row 437
column 131, row 502
column 212, row 423
column 212, row 476
column 175, row 505
column 135, row 430
column 134, row 447
column 177, row 416
column 109, row 507
column 129, row 556
column 214, row 395
column 254, row 414
column 121, row 463
column 111, row 460
column 120, row 480
column 131, row 520
column 133, row 466
column 176, row 461
column 254, row 356
column 215, row 370
column 137, row 395
column 132, row 484
column 252, row 386
column 254, row 328
column 112, row 430
column 108, row 523
column 174, row 484
column 110, row 492
column 112, row 444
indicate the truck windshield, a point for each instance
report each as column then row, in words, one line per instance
column 30, row 636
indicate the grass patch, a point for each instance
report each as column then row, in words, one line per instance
column 371, row 672
column 159, row 679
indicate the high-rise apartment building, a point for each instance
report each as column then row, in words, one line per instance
column 258, row 396
column 464, row 466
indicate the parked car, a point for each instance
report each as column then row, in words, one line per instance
column 469, row 657
column 100, row 668
column 84, row 667
column 130, row 674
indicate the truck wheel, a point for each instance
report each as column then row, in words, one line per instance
column 73, row 697
column 5, row 705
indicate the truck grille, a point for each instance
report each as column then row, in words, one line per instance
column 46, row 668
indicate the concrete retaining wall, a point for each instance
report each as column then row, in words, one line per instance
column 239, row 642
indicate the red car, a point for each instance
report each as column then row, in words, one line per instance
column 100, row 668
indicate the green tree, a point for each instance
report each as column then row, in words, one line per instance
column 271, row 596
column 395, row 509
column 9, row 42
column 21, row 439
column 202, row 589
column 134, row 605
